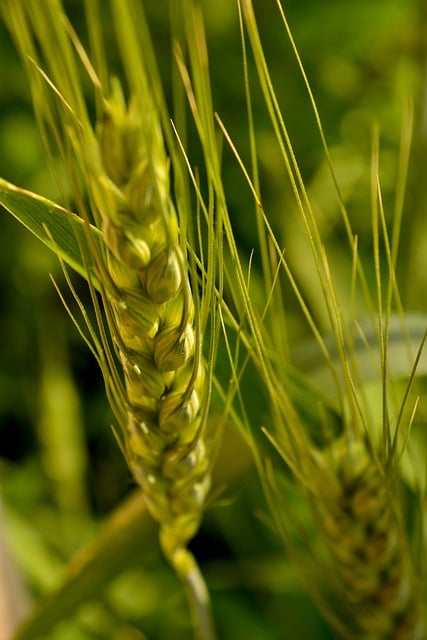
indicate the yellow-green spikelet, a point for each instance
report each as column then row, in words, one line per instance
column 152, row 323
column 357, row 514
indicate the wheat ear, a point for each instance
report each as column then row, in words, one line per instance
column 151, row 317
column 358, row 519
column 158, row 386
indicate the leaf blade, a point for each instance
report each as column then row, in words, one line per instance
column 65, row 233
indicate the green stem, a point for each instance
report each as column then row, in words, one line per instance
column 186, row 567
column 200, row 604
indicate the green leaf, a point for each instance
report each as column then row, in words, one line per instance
column 65, row 233
column 91, row 570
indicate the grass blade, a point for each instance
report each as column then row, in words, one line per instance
column 61, row 230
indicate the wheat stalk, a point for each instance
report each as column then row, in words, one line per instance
column 351, row 483
column 151, row 320
column 154, row 372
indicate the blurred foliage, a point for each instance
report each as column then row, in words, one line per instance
column 61, row 471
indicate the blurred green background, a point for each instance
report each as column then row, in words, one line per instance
column 61, row 472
